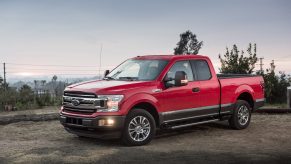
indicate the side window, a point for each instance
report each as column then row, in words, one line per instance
column 181, row 66
column 202, row 69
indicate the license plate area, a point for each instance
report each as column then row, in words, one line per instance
column 74, row 121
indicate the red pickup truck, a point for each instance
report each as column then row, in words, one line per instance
column 153, row 92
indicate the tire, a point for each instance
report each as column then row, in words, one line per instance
column 242, row 115
column 139, row 129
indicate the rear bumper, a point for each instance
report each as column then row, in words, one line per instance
column 258, row 103
column 89, row 127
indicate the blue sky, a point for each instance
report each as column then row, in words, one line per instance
column 70, row 32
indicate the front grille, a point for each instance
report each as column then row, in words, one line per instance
column 79, row 94
column 82, row 102
column 81, row 111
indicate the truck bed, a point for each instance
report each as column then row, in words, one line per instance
column 232, row 84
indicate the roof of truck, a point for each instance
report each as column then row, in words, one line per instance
column 168, row 57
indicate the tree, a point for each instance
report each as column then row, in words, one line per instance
column 26, row 94
column 188, row 44
column 1, row 81
column 54, row 78
column 43, row 82
column 282, row 88
column 275, row 85
column 271, row 83
column 236, row 62
column 8, row 95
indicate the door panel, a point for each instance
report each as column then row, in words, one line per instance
column 209, row 86
column 209, row 94
column 174, row 100
column 179, row 98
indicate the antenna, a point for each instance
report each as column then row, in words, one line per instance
column 100, row 60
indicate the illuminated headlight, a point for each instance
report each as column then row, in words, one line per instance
column 112, row 102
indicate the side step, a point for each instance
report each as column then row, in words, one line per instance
column 191, row 124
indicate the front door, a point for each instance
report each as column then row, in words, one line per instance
column 183, row 101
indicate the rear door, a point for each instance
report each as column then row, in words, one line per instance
column 209, row 88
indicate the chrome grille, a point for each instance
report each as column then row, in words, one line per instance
column 82, row 102
column 80, row 94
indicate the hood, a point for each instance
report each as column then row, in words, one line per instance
column 108, row 85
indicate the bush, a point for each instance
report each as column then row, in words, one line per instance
column 43, row 100
column 276, row 87
column 25, row 98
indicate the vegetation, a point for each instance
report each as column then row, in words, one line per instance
column 27, row 98
column 275, row 86
column 236, row 62
column 188, row 44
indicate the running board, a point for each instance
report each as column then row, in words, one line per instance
column 191, row 124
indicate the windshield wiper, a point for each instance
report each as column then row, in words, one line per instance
column 108, row 78
column 128, row 78
column 112, row 77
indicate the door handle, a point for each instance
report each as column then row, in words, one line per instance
column 195, row 89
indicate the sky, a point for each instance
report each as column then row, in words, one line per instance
column 64, row 37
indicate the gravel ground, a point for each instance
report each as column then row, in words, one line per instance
column 266, row 140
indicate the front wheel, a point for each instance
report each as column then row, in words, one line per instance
column 139, row 128
column 242, row 115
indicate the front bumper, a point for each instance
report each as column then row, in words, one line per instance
column 90, row 127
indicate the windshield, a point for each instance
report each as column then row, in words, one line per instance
column 140, row 70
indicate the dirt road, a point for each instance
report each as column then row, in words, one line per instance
column 267, row 140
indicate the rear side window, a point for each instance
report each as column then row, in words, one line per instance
column 201, row 69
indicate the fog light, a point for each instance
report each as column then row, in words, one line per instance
column 101, row 122
column 106, row 122
column 110, row 122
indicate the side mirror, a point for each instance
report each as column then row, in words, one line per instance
column 167, row 79
column 181, row 78
column 106, row 73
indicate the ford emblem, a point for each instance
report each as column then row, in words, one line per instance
column 75, row 102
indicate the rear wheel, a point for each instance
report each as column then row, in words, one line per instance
column 139, row 128
column 242, row 115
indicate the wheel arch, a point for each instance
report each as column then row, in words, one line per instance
column 245, row 92
column 149, row 108
column 146, row 102
column 246, row 96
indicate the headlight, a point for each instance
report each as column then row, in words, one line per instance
column 112, row 102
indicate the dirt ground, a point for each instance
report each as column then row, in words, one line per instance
column 45, row 110
column 266, row 140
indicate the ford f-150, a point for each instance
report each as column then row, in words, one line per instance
column 153, row 92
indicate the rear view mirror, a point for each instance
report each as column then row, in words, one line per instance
column 106, row 73
column 181, row 78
